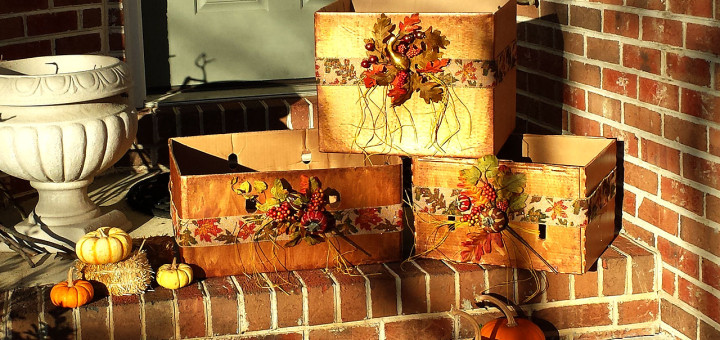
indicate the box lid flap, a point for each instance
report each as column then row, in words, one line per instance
column 412, row 6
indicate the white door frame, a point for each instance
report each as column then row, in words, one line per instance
column 134, row 51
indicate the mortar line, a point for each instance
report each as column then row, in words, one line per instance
column 143, row 321
column 305, row 299
column 337, row 295
column 201, row 119
column 243, row 323
column 176, row 314
column 208, row 309
column 675, row 239
column 674, row 332
column 381, row 330
column 571, row 287
column 702, row 285
column 311, row 113
column 368, row 294
column 628, row 269
column 398, row 288
column 110, row 319
column 428, row 303
column 601, row 277
column 267, row 113
column 245, row 117
column 273, row 301
column 288, row 121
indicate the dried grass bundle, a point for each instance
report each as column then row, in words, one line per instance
column 130, row 276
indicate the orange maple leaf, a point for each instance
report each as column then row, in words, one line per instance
column 367, row 75
column 409, row 24
column 304, row 184
column 435, row 66
column 396, row 92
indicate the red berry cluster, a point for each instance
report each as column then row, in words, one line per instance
column 474, row 216
column 503, row 205
column 317, row 201
column 280, row 213
column 487, row 191
column 400, row 78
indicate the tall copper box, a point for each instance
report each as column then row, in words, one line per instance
column 568, row 216
column 442, row 82
column 216, row 227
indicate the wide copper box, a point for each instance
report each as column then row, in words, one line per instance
column 215, row 224
column 442, row 82
column 568, row 216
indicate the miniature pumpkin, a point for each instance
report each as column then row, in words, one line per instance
column 71, row 293
column 104, row 245
column 174, row 276
column 509, row 328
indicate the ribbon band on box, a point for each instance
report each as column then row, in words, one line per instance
column 240, row 229
column 538, row 209
column 458, row 73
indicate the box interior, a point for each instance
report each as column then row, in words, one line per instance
column 563, row 150
column 412, row 6
column 262, row 151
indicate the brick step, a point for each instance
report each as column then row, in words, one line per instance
column 392, row 301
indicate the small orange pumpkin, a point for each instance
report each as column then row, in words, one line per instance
column 507, row 328
column 71, row 293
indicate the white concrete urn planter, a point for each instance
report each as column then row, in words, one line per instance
column 63, row 119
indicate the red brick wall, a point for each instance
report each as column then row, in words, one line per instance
column 30, row 28
column 648, row 73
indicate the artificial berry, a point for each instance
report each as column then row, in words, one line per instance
column 503, row 205
column 365, row 63
column 401, row 47
column 419, row 35
column 413, row 51
column 408, row 38
column 373, row 59
column 370, row 46
column 402, row 77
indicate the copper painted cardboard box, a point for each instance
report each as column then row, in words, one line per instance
column 568, row 216
column 420, row 77
column 219, row 230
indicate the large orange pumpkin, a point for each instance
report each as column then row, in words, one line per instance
column 509, row 327
column 104, row 245
column 71, row 293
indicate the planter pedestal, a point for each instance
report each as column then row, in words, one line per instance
column 64, row 120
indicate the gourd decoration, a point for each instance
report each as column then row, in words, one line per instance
column 129, row 276
column 104, row 245
column 71, row 293
column 174, row 276
column 509, row 327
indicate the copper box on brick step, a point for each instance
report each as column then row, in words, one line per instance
column 212, row 222
column 569, row 215
column 457, row 104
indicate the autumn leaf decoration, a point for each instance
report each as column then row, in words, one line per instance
column 490, row 192
column 299, row 214
column 407, row 60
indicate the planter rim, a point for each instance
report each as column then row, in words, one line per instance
column 18, row 88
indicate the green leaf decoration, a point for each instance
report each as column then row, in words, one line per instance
column 514, row 183
column 245, row 187
column 278, row 191
column 298, row 201
column 488, row 165
column 186, row 238
column 517, row 202
column 471, row 176
column 269, row 203
column 314, row 239
column 260, row 186
column 314, row 184
column 294, row 240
